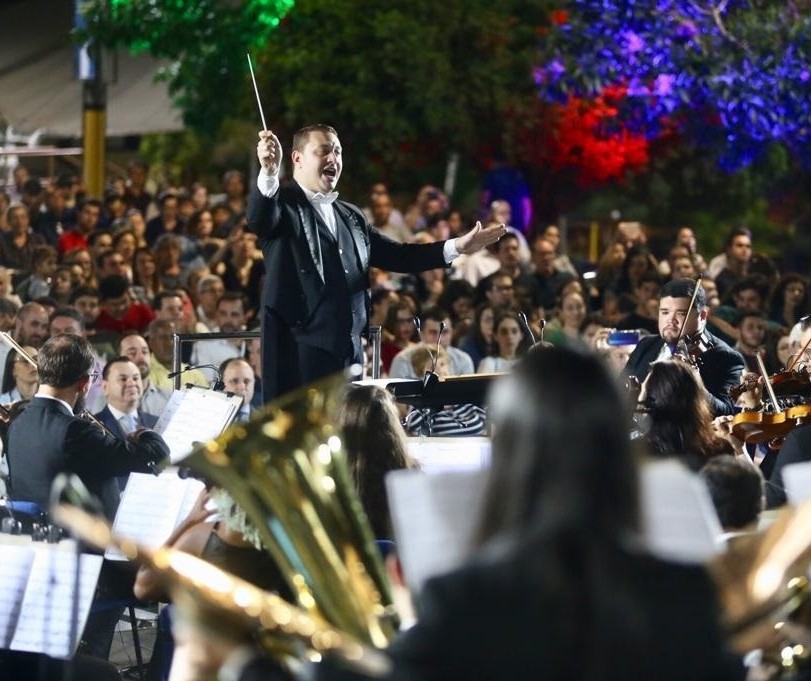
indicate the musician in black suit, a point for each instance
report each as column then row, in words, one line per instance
column 47, row 439
column 317, row 252
column 719, row 365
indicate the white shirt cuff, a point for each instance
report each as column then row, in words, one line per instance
column 268, row 185
column 449, row 251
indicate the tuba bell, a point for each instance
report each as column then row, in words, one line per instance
column 286, row 470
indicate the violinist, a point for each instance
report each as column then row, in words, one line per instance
column 796, row 448
column 683, row 327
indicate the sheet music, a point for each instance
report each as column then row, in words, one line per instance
column 45, row 623
column 437, row 454
column 198, row 415
column 678, row 517
column 434, row 518
column 152, row 507
column 797, row 480
column 169, row 410
column 14, row 569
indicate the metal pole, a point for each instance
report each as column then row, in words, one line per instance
column 375, row 338
column 177, row 346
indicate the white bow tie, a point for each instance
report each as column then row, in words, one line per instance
column 324, row 198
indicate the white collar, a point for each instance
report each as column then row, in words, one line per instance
column 120, row 414
column 318, row 197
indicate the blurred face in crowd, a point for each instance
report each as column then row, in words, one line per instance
column 84, row 261
column 430, row 332
column 753, row 332
column 501, row 293
column 161, row 342
column 486, row 319
column 740, row 250
column 117, row 307
column 318, row 165
column 61, row 325
column 683, row 268
column 123, row 387
column 89, row 307
column 209, row 295
column 88, row 219
column 794, row 293
column 112, row 263
column 137, row 350
column 125, row 246
column 32, row 326
column 145, row 266
column 711, row 291
column 18, row 220
column 687, row 238
column 230, row 316
column 508, row 337
column 543, row 256
column 748, row 300
column 171, row 309
column 381, row 209
column 784, row 350
column 552, row 235
column 239, row 379
column 508, row 253
column 572, row 311
column 23, row 370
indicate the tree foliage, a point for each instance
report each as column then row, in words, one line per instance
column 732, row 74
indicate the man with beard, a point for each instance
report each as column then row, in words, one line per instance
column 318, row 251
column 30, row 328
column 135, row 347
column 720, row 366
column 231, row 318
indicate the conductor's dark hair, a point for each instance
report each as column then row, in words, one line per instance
column 736, row 489
column 63, row 360
column 683, row 288
column 303, row 135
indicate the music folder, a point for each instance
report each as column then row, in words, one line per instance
column 194, row 415
column 46, row 596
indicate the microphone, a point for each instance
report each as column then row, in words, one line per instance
column 219, row 385
column 9, row 525
column 524, row 321
column 430, row 376
column 418, row 327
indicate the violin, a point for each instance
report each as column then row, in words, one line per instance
column 761, row 426
column 789, row 382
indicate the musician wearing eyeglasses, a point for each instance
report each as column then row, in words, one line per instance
column 48, row 439
column 682, row 331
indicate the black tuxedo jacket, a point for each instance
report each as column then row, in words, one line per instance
column 796, row 448
column 287, row 227
column 720, row 368
column 46, row 439
column 111, row 422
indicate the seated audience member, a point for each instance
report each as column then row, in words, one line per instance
column 43, row 265
column 751, row 337
column 435, row 328
column 209, row 291
column 456, row 419
column 160, row 335
column 646, row 311
column 232, row 318
column 118, row 311
column 121, row 381
column 555, row 541
column 238, row 378
column 736, row 488
column 70, row 320
column 30, row 328
column 8, row 314
column 375, row 445
column 153, row 399
column 399, row 333
column 20, row 377
column 7, row 289
column 480, row 341
column 789, row 300
column 677, row 418
column 564, row 329
column 511, row 341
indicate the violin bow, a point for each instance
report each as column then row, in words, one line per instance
column 680, row 337
column 8, row 340
column 767, row 384
column 796, row 359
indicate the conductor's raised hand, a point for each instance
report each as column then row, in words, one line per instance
column 479, row 237
column 269, row 152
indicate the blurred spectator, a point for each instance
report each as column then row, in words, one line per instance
column 564, row 329
column 480, row 340
column 510, row 340
column 145, row 275
column 18, row 244
column 86, row 222
column 209, row 291
column 43, row 265
column 789, row 300
column 136, row 194
column 20, row 377
column 153, row 399
column 238, row 378
column 119, row 312
column 736, row 489
column 167, row 220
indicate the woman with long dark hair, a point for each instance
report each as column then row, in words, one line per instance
column 375, row 445
column 679, row 418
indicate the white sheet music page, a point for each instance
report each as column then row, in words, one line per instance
column 797, row 479
column 679, row 521
column 200, row 416
column 437, row 454
column 46, row 617
column 14, row 570
column 434, row 518
column 152, row 507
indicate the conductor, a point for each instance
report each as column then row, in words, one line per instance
column 318, row 250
